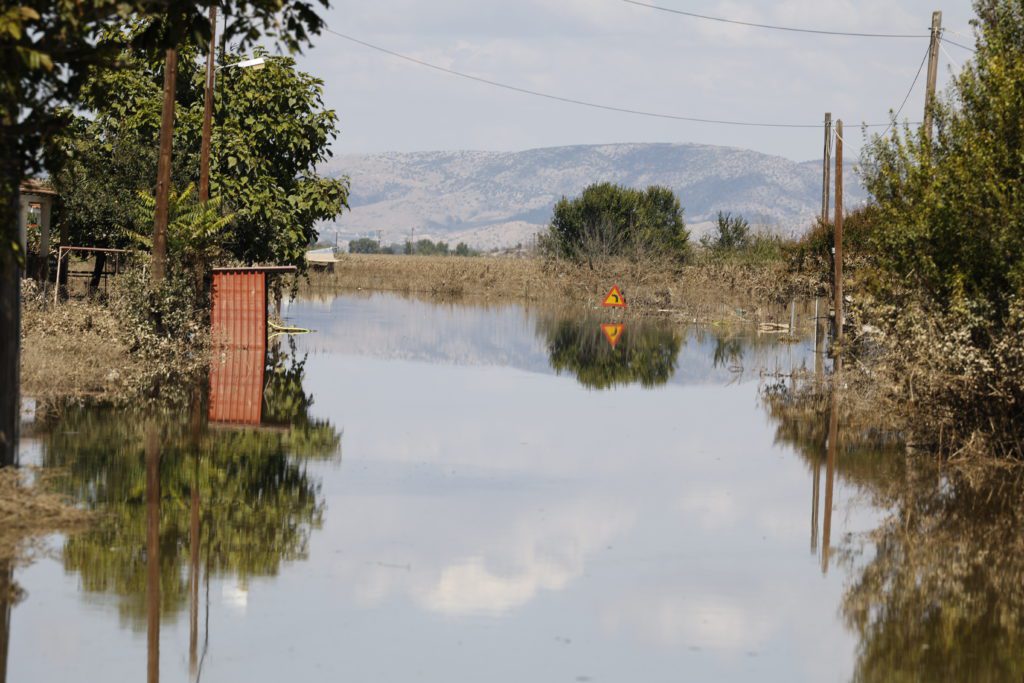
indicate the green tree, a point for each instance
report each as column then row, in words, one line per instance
column 427, row 247
column 270, row 132
column 47, row 49
column 364, row 245
column 462, row 249
column 951, row 206
column 611, row 220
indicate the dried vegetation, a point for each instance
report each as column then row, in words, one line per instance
column 709, row 291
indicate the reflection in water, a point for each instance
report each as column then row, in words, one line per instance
column 238, row 500
column 534, row 531
column 941, row 597
column 153, row 553
column 641, row 353
column 8, row 594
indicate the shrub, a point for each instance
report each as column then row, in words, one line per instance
column 731, row 233
column 364, row 245
column 950, row 207
column 611, row 220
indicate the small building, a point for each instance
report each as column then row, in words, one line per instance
column 35, row 206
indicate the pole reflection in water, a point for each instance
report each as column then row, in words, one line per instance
column 815, row 495
column 830, row 472
column 819, row 371
column 7, row 591
column 194, row 530
column 153, row 552
column 830, row 463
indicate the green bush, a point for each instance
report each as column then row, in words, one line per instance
column 364, row 245
column 951, row 207
column 731, row 233
column 611, row 220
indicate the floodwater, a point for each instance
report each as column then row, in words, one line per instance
column 439, row 492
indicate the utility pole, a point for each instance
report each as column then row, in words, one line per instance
column 933, row 72
column 838, row 235
column 826, row 168
column 163, row 169
column 204, row 149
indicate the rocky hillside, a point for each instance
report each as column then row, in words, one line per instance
column 503, row 198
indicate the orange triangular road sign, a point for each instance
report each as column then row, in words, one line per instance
column 614, row 299
column 613, row 332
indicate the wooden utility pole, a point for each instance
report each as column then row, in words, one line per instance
column 204, row 149
column 838, row 235
column 826, row 169
column 933, row 73
column 163, row 169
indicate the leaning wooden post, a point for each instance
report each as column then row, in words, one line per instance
column 838, row 235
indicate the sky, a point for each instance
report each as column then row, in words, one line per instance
column 614, row 53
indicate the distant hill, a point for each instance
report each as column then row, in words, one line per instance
column 502, row 198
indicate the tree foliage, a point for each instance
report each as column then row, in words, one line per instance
column 195, row 231
column 364, row 245
column 270, row 132
column 47, row 49
column 611, row 220
column 951, row 207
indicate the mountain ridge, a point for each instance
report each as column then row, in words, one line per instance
column 501, row 198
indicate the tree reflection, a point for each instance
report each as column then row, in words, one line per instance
column 942, row 595
column 646, row 354
column 234, row 501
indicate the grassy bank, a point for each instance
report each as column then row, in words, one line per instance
column 708, row 291
column 108, row 347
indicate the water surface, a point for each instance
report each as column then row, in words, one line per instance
column 447, row 493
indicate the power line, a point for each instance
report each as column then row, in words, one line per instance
column 909, row 91
column 583, row 103
column 775, row 27
column 569, row 100
column 959, row 45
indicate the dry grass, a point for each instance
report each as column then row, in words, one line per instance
column 75, row 349
column 701, row 293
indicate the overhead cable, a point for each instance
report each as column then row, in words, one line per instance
column 583, row 103
column 959, row 45
column 775, row 27
column 899, row 111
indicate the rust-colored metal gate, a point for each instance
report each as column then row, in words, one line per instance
column 239, row 330
column 238, row 324
column 239, row 316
